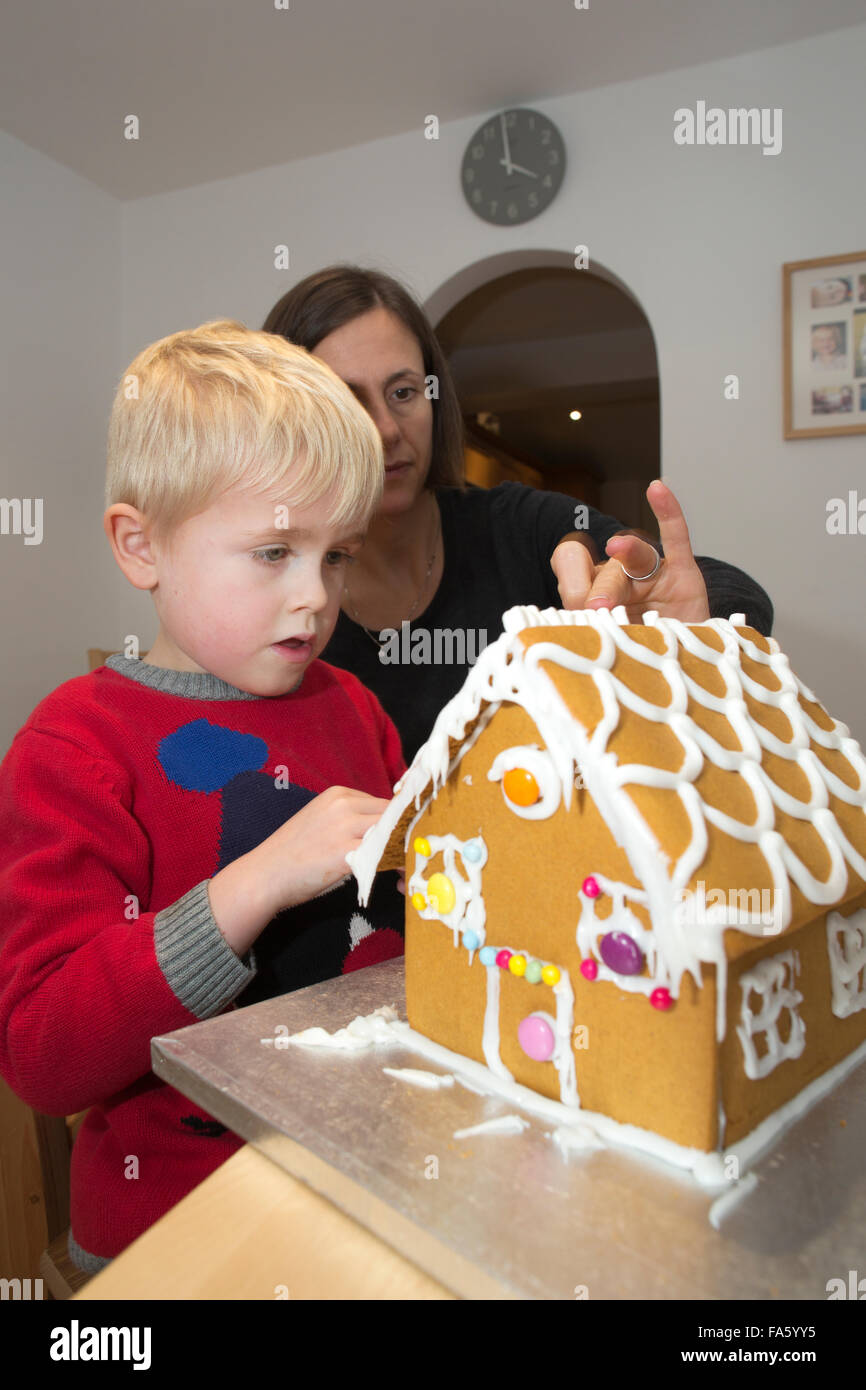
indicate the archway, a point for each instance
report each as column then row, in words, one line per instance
column 530, row 339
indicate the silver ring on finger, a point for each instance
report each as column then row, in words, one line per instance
column 639, row 578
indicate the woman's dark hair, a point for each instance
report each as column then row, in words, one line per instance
column 333, row 297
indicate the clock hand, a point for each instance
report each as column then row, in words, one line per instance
column 507, row 160
column 520, row 169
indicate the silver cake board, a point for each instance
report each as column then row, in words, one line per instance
column 508, row 1216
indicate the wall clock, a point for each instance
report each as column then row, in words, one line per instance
column 513, row 167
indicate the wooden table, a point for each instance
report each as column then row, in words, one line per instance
column 252, row 1231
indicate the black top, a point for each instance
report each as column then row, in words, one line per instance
column 497, row 543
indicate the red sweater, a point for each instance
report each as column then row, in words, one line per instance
column 122, row 795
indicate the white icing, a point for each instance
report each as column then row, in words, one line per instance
column 384, row 1028
column 503, row 1124
column 846, row 948
column 773, row 981
column 473, row 1086
column 722, row 1205
column 468, row 912
column 539, row 762
column 490, row 1035
column 571, row 1139
column 429, row 1080
column 364, row 1031
column 563, row 1055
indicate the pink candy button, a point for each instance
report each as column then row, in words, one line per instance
column 536, row 1037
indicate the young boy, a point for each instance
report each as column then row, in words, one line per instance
column 157, row 815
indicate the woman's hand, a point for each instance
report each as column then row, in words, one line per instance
column 676, row 590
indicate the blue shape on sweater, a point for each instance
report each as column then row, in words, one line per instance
column 203, row 757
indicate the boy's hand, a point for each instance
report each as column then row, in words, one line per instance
column 305, row 857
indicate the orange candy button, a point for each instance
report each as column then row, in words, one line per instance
column 520, row 787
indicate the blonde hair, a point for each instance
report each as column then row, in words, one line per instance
column 221, row 406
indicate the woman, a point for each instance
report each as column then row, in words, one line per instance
column 442, row 561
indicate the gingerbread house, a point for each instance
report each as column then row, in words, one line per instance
column 636, row 873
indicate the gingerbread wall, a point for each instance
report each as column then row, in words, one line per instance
column 639, row 1065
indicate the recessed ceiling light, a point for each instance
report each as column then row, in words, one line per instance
column 574, row 415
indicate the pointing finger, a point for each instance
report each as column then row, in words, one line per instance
column 673, row 530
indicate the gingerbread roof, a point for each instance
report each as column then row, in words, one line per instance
column 698, row 745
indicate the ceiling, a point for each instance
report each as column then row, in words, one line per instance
column 223, row 87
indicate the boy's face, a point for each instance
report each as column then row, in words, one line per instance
column 247, row 600
column 824, row 342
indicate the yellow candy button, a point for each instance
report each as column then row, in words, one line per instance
column 550, row 975
column 440, row 891
column 419, row 902
column 517, row 965
column 421, row 846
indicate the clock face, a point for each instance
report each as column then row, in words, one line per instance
column 513, row 167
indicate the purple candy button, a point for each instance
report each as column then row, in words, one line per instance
column 620, row 952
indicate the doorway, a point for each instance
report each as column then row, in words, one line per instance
column 557, row 375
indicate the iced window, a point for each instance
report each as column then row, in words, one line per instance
column 846, row 947
column 774, row 1030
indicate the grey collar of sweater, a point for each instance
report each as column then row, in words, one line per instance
column 193, row 685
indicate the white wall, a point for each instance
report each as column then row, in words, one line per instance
column 699, row 236
column 59, row 289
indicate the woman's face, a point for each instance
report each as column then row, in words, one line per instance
column 381, row 361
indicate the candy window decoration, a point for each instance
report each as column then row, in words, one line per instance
column 541, row 1036
column 618, row 947
column 773, row 980
column 846, row 947
column 537, row 1036
column 531, row 785
column 451, row 896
